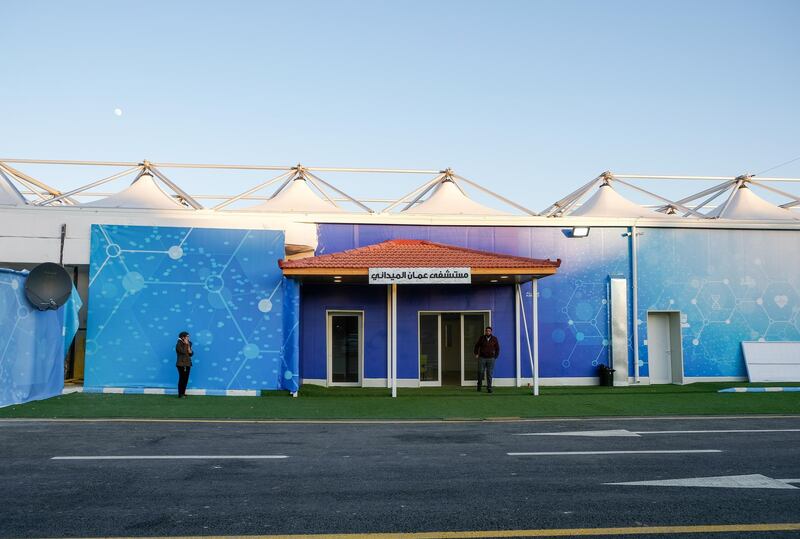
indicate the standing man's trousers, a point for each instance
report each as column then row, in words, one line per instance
column 183, row 380
column 486, row 364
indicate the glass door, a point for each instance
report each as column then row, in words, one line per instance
column 429, row 349
column 344, row 348
column 473, row 325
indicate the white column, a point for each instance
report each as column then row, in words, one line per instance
column 535, row 309
column 388, row 336
column 394, row 340
column 517, row 334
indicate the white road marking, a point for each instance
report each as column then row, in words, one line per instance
column 651, row 452
column 635, row 433
column 155, row 457
column 733, row 431
column 725, row 481
column 589, row 433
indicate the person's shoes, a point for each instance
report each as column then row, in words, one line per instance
column 489, row 390
column 479, row 389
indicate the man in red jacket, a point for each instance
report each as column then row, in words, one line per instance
column 486, row 351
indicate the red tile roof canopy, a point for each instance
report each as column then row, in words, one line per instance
column 419, row 254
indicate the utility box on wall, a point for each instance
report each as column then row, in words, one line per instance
column 618, row 317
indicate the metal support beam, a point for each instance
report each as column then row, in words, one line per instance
column 402, row 199
column 728, row 201
column 41, row 185
column 180, row 192
column 94, row 184
column 431, row 185
column 339, row 191
column 11, row 185
column 495, row 195
column 251, row 191
column 795, row 200
column 561, row 204
column 310, row 177
column 659, row 197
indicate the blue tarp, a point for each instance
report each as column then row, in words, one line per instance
column 33, row 343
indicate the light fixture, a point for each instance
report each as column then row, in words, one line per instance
column 493, row 281
column 580, row 231
column 504, row 276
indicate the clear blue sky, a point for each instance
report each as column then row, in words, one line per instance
column 531, row 98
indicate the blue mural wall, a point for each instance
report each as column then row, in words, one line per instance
column 33, row 343
column 146, row 284
column 319, row 298
column 573, row 311
column 729, row 285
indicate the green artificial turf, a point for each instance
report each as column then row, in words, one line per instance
column 316, row 403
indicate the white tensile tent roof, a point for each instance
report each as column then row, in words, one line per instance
column 143, row 193
column 9, row 195
column 745, row 204
column 297, row 196
column 448, row 199
column 606, row 202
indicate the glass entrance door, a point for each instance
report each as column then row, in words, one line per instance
column 344, row 348
column 429, row 348
column 474, row 324
column 446, row 343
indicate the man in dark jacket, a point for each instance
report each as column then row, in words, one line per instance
column 486, row 351
column 183, row 348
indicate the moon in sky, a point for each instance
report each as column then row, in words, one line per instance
column 117, row 112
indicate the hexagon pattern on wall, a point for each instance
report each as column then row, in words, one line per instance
column 729, row 285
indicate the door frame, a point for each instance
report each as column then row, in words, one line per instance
column 329, row 314
column 674, row 339
column 438, row 314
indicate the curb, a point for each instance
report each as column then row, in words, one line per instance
column 164, row 391
column 759, row 390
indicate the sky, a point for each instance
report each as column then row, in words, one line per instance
column 530, row 98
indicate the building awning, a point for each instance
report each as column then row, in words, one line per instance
column 353, row 265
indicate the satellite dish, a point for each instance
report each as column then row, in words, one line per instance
column 48, row 286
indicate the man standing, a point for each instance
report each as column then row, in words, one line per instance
column 183, row 349
column 486, row 351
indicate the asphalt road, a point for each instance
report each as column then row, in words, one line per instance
column 379, row 477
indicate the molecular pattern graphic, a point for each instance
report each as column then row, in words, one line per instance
column 223, row 286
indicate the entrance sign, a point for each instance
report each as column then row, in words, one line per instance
column 420, row 275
